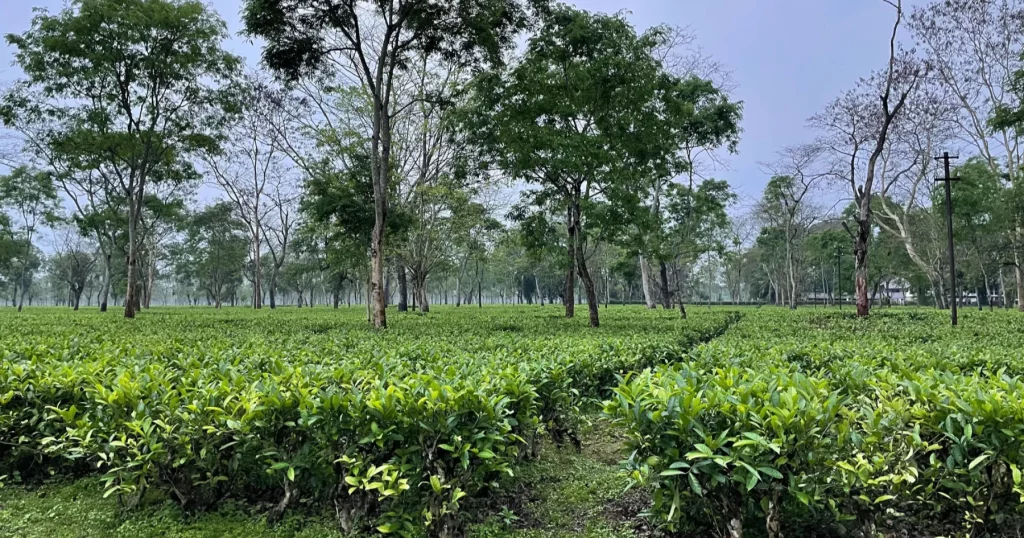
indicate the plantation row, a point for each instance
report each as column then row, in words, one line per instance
column 393, row 430
column 798, row 422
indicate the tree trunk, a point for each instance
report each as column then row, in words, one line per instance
column 377, row 266
column 150, row 282
column 791, row 268
column 458, row 287
column 773, row 519
column 570, row 274
column 1019, row 271
column 645, row 282
column 105, row 287
column 131, row 294
column 24, row 288
column 1005, row 290
column 257, row 288
column 593, row 304
column 860, row 252
column 679, row 291
column 403, row 286
column 273, row 288
column 666, row 294
column 421, row 293
column 479, row 286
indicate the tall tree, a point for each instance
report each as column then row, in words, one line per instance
column 974, row 49
column 135, row 87
column 31, row 200
column 248, row 165
column 215, row 249
column 72, row 264
column 856, row 129
column 696, row 222
column 374, row 41
column 785, row 205
column 587, row 115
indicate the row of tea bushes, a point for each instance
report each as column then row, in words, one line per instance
column 885, row 427
column 393, row 429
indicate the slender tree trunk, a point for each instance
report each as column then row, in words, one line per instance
column 273, row 288
column 607, row 288
column 1019, row 272
column 150, row 281
column 131, row 265
column 479, row 286
column 458, row 288
column 593, row 304
column 860, row 252
column 791, row 267
column 1005, row 290
column 680, row 298
column 570, row 274
column 105, row 287
column 23, row 288
column 666, row 294
column 645, row 282
column 403, row 286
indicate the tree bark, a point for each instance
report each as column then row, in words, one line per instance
column 666, row 294
column 1019, row 271
column 645, row 281
column 791, row 266
column 421, row 293
column 403, row 286
column 593, row 304
column 131, row 294
column 570, row 274
column 105, row 287
column 150, row 282
column 23, row 287
column 860, row 252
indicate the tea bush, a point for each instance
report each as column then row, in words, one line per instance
column 394, row 429
column 897, row 420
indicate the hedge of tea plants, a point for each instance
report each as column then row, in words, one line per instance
column 393, row 430
column 897, row 424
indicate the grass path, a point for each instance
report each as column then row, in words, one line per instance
column 568, row 494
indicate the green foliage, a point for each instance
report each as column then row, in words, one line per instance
column 214, row 251
column 897, row 422
column 122, row 85
column 398, row 430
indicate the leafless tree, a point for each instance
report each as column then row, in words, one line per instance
column 250, row 162
column 905, row 179
column 279, row 227
column 973, row 48
column 856, row 129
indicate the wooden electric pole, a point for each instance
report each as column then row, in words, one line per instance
column 947, row 180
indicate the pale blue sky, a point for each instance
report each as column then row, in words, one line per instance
column 788, row 57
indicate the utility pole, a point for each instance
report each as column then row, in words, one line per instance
column 945, row 158
column 839, row 276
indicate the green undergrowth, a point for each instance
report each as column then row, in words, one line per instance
column 400, row 431
column 896, row 425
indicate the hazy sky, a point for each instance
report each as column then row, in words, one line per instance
column 788, row 57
